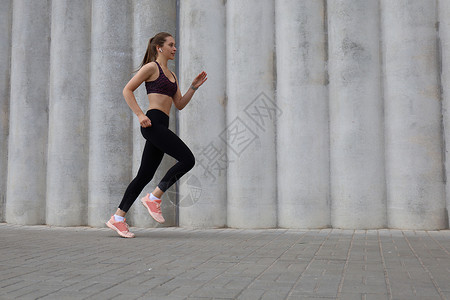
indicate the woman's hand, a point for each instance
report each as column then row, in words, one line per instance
column 199, row 80
column 144, row 121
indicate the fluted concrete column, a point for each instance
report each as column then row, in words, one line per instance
column 414, row 166
column 110, row 152
column 28, row 113
column 151, row 17
column 444, row 34
column 251, row 114
column 202, row 47
column 68, row 148
column 5, row 62
column 302, row 129
column 358, row 191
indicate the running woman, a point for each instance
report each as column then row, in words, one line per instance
column 163, row 90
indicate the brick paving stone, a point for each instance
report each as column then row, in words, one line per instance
column 59, row 296
column 375, row 297
column 216, row 293
column 250, row 294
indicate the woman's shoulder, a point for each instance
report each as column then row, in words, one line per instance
column 150, row 66
column 148, row 70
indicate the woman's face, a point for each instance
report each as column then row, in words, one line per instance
column 168, row 49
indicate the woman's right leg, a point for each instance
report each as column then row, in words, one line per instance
column 168, row 142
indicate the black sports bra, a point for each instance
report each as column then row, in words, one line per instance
column 162, row 84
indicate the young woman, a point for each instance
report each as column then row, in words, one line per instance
column 162, row 89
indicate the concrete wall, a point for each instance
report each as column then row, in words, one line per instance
column 5, row 73
column 358, row 186
column 251, row 114
column 203, row 193
column 444, row 46
column 68, row 141
column 28, row 116
column 302, row 97
column 315, row 114
column 413, row 115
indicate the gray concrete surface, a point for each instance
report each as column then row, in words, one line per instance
column 27, row 141
column 302, row 96
column 444, row 40
column 41, row 262
column 5, row 74
column 251, row 114
column 209, row 108
column 68, row 158
column 357, row 171
column 314, row 113
column 414, row 175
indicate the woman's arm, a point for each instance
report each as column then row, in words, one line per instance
column 142, row 75
column 181, row 101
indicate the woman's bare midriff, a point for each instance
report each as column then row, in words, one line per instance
column 161, row 102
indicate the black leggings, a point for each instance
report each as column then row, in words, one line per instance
column 160, row 140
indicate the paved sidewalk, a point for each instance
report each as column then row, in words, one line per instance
column 40, row 262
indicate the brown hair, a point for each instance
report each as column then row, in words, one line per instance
column 151, row 53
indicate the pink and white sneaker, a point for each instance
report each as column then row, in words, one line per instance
column 154, row 208
column 120, row 227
